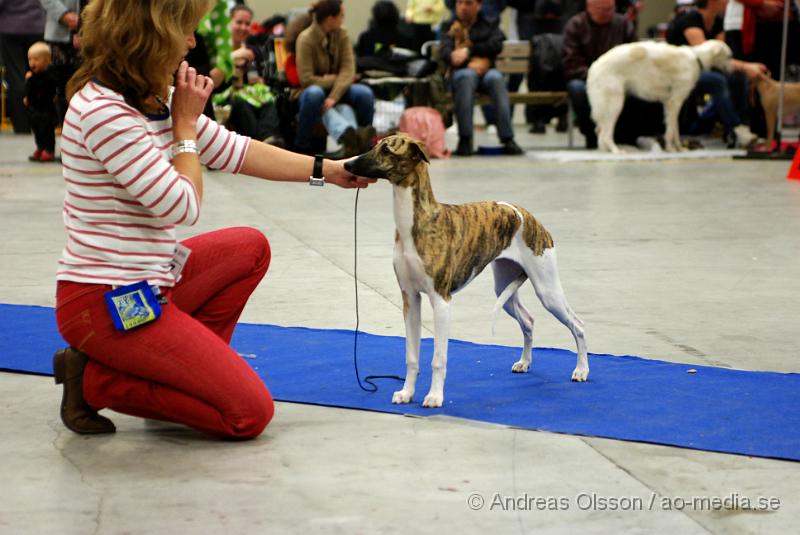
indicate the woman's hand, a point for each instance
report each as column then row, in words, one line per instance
column 335, row 173
column 189, row 101
column 328, row 104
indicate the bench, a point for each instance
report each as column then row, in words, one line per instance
column 514, row 59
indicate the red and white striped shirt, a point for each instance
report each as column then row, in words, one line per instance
column 124, row 197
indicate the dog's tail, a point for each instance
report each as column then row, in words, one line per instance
column 505, row 295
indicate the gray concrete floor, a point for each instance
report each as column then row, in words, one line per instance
column 692, row 262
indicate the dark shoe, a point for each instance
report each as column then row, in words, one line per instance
column 538, row 128
column 36, row 156
column 77, row 415
column 349, row 142
column 562, row 124
column 511, row 148
column 366, row 138
column 591, row 141
column 464, row 147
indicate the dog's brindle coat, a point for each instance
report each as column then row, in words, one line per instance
column 440, row 248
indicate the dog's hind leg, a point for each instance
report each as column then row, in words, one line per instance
column 413, row 320
column 543, row 272
column 506, row 273
column 441, row 337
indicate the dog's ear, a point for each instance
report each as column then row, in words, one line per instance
column 418, row 151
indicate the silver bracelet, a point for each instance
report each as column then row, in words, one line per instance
column 185, row 145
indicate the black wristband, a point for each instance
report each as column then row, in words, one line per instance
column 317, row 178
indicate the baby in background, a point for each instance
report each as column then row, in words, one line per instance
column 40, row 93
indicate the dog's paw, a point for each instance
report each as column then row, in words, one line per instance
column 580, row 374
column 433, row 401
column 520, row 367
column 401, row 396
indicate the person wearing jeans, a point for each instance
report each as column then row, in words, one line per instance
column 356, row 108
column 326, row 69
column 469, row 46
column 133, row 151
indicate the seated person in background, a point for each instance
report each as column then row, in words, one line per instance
column 40, row 95
column 470, row 43
column 253, row 113
column 587, row 36
column 382, row 35
column 326, row 69
column 728, row 91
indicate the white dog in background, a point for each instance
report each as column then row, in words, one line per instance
column 650, row 71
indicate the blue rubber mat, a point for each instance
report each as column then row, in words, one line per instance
column 626, row 398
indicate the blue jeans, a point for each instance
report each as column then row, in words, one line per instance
column 465, row 82
column 355, row 108
column 576, row 89
column 717, row 85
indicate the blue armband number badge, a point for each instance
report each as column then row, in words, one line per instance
column 133, row 305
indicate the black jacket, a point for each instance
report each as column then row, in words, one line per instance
column 486, row 36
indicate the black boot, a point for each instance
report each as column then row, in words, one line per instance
column 464, row 146
column 511, row 148
column 77, row 415
column 366, row 135
column 349, row 142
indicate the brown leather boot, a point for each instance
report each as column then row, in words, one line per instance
column 77, row 415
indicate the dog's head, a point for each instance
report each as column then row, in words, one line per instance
column 393, row 158
column 714, row 54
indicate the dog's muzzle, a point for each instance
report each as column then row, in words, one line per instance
column 364, row 166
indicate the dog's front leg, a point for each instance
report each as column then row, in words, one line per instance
column 411, row 314
column 441, row 336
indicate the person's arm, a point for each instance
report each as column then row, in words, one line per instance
column 575, row 63
column 750, row 69
column 347, row 68
column 56, row 10
column 191, row 93
column 694, row 35
column 305, row 64
column 272, row 163
column 491, row 47
column 446, row 44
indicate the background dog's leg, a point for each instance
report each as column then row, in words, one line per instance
column 606, row 119
column 506, row 272
column 441, row 337
column 543, row 272
column 411, row 314
column 672, row 137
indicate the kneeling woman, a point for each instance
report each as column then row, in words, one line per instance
column 133, row 151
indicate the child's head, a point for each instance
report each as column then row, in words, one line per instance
column 39, row 56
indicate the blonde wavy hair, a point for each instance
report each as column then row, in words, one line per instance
column 134, row 46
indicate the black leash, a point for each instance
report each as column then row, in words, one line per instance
column 368, row 379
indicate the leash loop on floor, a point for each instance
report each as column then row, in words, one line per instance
column 368, row 379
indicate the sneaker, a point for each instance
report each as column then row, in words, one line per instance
column 36, row 156
column 511, row 148
column 464, row 147
column 648, row 144
column 47, row 156
column 744, row 137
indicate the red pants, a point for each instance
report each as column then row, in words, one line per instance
column 181, row 367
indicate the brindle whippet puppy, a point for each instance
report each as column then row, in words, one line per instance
column 440, row 248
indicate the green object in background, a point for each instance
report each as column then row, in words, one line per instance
column 215, row 28
column 256, row 94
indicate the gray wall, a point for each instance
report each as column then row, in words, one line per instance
column 357, row 12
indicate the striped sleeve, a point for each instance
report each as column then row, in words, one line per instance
column 116, row 135
column 219, row 147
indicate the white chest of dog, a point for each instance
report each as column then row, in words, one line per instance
column 440, row 248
